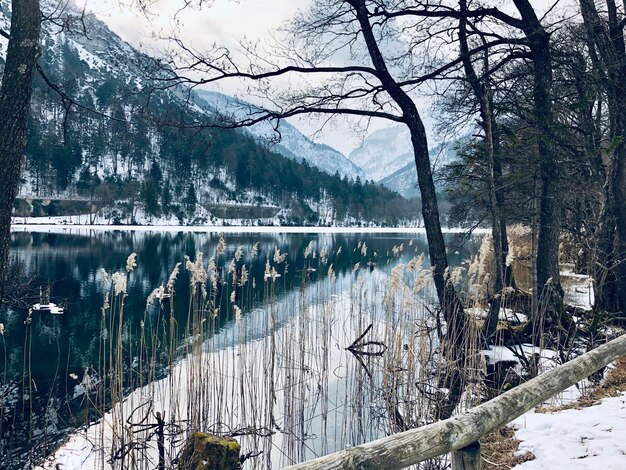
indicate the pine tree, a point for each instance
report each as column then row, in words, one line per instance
column 166, row 200
column 190, row 200
column 150, row 198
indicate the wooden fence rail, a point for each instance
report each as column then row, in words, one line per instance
column 460, row 434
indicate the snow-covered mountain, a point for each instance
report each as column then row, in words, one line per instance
column 121, row 146
column 286, row 140
column 404, row 180
column 383, row 152
column 386, row 156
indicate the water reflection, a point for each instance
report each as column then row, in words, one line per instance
column 46, row 360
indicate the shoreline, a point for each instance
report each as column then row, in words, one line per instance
column 73, row 228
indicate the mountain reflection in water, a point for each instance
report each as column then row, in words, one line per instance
column 44, row 390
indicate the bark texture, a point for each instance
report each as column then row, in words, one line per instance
column 608, row 39
column 15, row 94
column 548, row 283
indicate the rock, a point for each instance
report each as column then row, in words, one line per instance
column 204, row 451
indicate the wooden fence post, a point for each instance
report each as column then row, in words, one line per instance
column 467, row 458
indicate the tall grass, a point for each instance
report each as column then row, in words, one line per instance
column 351, row 355
column 278, row 376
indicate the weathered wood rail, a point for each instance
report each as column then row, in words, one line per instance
column 460, row 434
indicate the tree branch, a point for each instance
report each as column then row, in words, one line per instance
column 451, row 13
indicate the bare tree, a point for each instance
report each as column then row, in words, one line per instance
column 483, row 92
column 548, row 294
column 547, row 289
column 548, row 286
column 607, row 49
column 377, row 82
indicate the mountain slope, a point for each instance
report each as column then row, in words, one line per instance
column 291, row 144
column 386, row 156
column 121, row 145
column 384, row 152
column 404, row 180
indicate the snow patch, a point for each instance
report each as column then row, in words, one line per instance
column 586, row 439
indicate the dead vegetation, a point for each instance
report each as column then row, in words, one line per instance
column 499, row 450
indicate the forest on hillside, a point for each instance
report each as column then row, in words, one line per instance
column 103, row 133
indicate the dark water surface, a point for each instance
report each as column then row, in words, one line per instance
column 41, row 362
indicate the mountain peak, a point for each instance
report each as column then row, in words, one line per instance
column 386, row 156
column 383, row 152
column 287, row 140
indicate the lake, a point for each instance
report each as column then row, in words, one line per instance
column 262, row 358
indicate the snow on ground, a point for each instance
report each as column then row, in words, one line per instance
column 505, row 314
column 578, row 290
column 502, row 353
column 144, row 221
column 590, row 438
column 578, row 293
column 548, row 359
column 52, row 227
column 92, row 60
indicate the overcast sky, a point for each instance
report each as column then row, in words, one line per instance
column 225, row 22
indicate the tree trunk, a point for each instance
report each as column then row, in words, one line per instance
column 450, row 304
column 15, row 94
column 548, row 289
column 610, row 274
column 484, row 96
column 508, row 280
column 618, row 178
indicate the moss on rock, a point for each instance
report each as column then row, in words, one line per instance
column 204, row 451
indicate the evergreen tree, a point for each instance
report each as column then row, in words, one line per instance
column 150, row 198
column 190, row 200
column 166, row 200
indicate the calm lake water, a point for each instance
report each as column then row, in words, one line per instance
column 43, row 362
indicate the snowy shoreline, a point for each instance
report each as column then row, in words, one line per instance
column 77, row 229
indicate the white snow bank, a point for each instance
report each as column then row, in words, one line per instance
column 32, row 226
column 505, row 314
column 589, row 438
column 548, row 359
column 578, row 290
